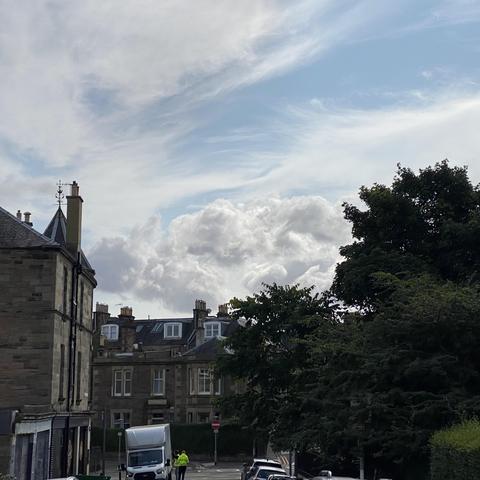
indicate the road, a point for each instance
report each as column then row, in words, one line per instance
column 224, row 471
column 221, row 472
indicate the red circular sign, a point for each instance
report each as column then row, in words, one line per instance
column 215, row 424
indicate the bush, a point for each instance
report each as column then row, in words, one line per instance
column 455, row 452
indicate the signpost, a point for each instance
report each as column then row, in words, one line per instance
column 215, row 427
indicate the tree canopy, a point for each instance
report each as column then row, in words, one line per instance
column 428, row 222
column 390, row 353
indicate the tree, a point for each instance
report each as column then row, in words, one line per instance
column 270, row 357
column 383, row 386
column 428, row 222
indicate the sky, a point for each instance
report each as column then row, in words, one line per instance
column 215, row 141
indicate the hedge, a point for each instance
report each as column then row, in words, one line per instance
column 455, row 452
column 195, row 439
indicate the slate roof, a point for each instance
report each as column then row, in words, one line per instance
column 151, row 332
column 207, row 350
column 16, row 234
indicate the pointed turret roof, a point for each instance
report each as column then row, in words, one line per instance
column 57, row 231
column 57, row 228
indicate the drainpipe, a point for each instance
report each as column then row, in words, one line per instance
column 72, row 354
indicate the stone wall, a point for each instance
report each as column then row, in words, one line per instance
column 26, row 333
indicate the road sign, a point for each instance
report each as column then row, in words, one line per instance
column 215, row 424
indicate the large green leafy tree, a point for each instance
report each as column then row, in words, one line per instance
column 428, row 222
column 269, row 357
column 383, row 386
column 403, row 362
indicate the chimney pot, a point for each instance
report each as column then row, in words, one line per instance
column 126, row 312
column 27, row 218
column 19, row 215
column 102, row 307
column 75, row 189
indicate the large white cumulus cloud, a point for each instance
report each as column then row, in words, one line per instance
column 225, row 249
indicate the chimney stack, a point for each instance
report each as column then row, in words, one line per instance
column 126, row 312
column 74, row 220
column 199, row 313
column 223, row 310
column 101, row 316
column 27, row 218
column 19, row 215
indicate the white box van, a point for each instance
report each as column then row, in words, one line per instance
column 149, row 452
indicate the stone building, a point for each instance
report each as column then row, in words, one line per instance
column 159, row 370
column 46, row 292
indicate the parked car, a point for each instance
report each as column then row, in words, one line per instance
column 263, row 473
column 280, row 477
column 249, row 471
column 323, row 475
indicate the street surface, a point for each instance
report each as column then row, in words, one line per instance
column 206, row 471
column 220, row 472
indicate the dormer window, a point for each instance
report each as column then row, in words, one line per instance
column 173, row 330
column 213, row 329
column 110, row 332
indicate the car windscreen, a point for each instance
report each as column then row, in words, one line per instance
column 145, row 457
column 265, row 473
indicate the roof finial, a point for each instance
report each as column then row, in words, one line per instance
column 59, row 195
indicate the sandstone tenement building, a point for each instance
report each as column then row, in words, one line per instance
column 159, row 370
column 46, row 291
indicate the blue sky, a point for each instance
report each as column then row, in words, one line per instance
column 214, row 142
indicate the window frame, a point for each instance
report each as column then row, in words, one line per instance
column 172, row 325
column 218, row 327
column 161, row 381
column 110, row 327
column 122, row 377
column 122, row 414
column 204, row 376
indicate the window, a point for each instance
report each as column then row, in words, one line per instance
column 173, row 330
column 110, row 332
column 79, row 376
column 158, row 381
column 82, row 292
column 61, row 380
column 65, row 290
column 157, row 327
column 218, row 386
column 203, row 417
column 190, row 417
column 204, row 381
column 157, row 417
column 121, row 419
column 122, row 382
column 191, row 381
column 212, row 329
